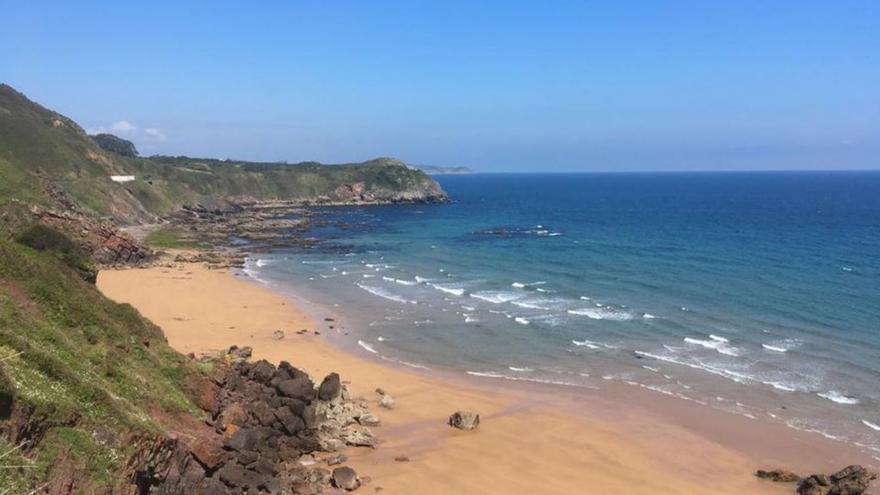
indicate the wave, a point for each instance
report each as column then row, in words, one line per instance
column 716, row 343
column 648, row 316
column 495, row 297
column 378, row 291
column 470, row 319
column 324, row 262
column 530, row 304
column 492, row 374
column 585, row 343
column 518, row 285
column 422, row 279
column 520, row 370
column 521, row 320
column 838, row 397
column 455, row 291
column 774, row 348
column 601, row 314
column 263, row 262
column 871, row 425
column 367, row 346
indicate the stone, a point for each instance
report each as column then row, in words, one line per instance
column 336, row 459
column 233, row 414
column 387, row 402
column 852, row 480
column 401, row 458
column 239, row 354
column 464, row 420
column 307, row 460
column 209, row 454
column 345, row 478
column 261, row 411
column 330, row 388
column 242, row 439
column 262, row 371
column 278, row 335
column 778, row 475
column 246, row 457
column 368, row 420
column 817, row 484
column 297, row 388
column 291, row 423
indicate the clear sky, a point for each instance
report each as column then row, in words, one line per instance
column 497, row 86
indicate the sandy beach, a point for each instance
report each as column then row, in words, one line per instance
column 530, row 441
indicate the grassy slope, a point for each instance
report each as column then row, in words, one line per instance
column 83, row 361
column 38, row 145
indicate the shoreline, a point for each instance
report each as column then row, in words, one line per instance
column 533, row 437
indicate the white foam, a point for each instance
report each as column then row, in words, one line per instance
column 455, row 291
column 585, row 343
column 367, row 346
column 422, row 279
column 648, row 316
column 495, row 297
column 378, row 291
column 518, row 285
column 470, row 319
column 838, row 397
column 601, row 314
column 492, row 374
column 530, row 304
column 521, row 320
column 520, row 370
column 263, row 262
column 871, row 425
column 716, row 343
column 846, row 268
column 774, row 348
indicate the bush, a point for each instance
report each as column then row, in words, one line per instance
column 44, row 238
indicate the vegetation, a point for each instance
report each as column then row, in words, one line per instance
column 94, row 368
column 170, row 238
column 114, row 144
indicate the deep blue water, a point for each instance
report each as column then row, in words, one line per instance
column 756, row 293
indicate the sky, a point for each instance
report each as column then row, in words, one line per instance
column 495, row 86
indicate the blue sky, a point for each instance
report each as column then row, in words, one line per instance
column 497, row 86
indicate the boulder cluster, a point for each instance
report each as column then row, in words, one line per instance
column 271, row 424
column 851, row 480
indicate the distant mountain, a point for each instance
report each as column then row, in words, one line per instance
column 434, row 170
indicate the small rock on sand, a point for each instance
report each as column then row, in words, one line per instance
column 464, row 420
column 387, row 402
column 368, row 420
column 278, row 335
column 345, row 478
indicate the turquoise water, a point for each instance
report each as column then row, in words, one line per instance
column 754, row 293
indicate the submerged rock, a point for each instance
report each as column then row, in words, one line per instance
column 464, row 420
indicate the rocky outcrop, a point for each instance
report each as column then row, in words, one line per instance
column 778, row 475
column 852, row 480
column 115, row 144
column 266, row 425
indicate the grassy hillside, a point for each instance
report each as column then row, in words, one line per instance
column 87, row 375
column 46, row 159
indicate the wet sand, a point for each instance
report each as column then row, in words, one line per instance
column 532, row 439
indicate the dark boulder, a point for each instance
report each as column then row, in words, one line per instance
column 852, row 480
column 262, row 371
column 243, row 439
column 330, row 388
column 297, row 388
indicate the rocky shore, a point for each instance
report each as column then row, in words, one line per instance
column 267, row 429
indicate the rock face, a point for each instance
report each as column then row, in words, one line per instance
column 109, row 142
column 464, row 420
column 852, row 480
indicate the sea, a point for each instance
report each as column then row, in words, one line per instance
column 753, row 293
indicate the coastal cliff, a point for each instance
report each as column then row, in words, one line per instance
column 92, row 398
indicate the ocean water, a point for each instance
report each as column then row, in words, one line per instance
column 754, row 293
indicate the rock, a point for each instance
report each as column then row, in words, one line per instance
column 336, row 459
column 307, row 460
column 464, row 420
column 297, row 388
column 380, row 390
column 387, row 402
column 233, row 414
column 209, row 454
column 292, row 423
column 345, row 478
column 238, row 477
column 237, row 355
column 330, row 388
column 401, row 458
column 778, row 475
column 852, row 480
column 242, row 439
column 358, row 436
column 262, row 371
column 278, row 335
column 368, row 420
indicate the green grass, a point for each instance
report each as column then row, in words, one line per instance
column 84, row 361
column 170, row 238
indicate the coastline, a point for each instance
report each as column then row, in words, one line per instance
column 533, row 439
